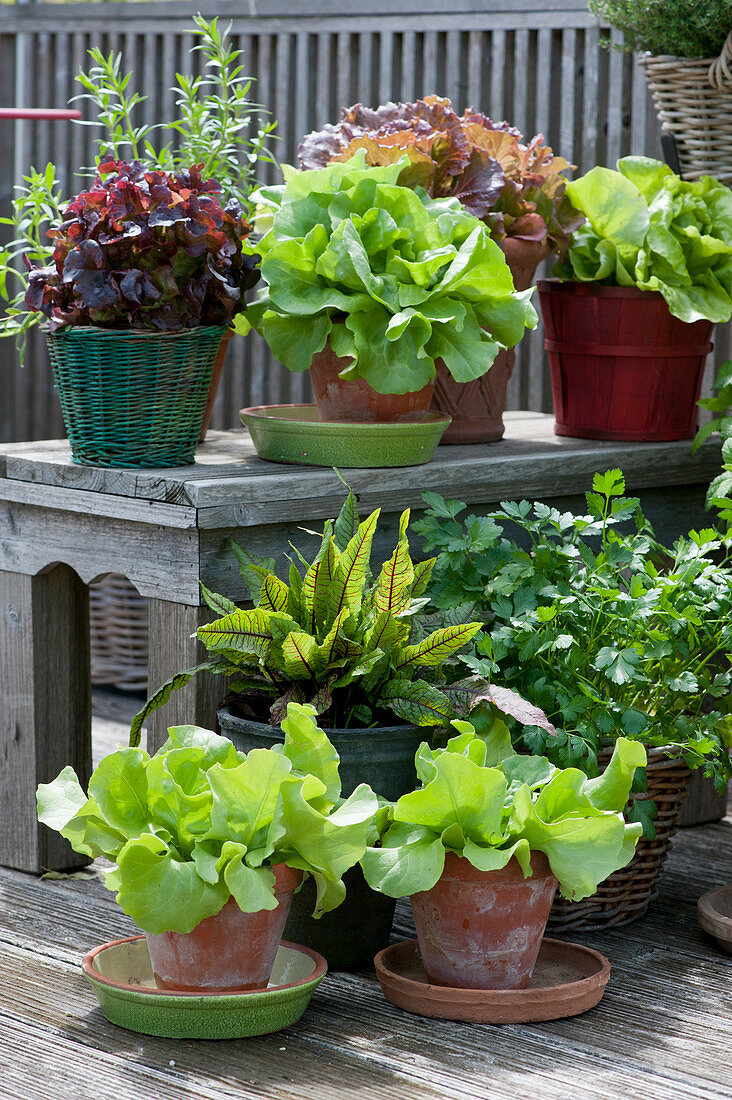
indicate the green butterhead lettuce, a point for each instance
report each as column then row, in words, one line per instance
column 648, row 228
column 199, row 822
column 490, row 814
column 393, row 279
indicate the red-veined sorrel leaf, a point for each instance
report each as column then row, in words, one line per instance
column 438, row 646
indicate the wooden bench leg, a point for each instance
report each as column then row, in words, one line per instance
column 45, row 723
column 172, row 649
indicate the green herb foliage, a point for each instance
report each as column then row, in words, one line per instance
column 36, row 208
column 199, row 822
column 648, row 228
column 610, row 633
column 482, row 801
column 680, row 28
column 393, row 279
column 350, row 645
column 218, row 127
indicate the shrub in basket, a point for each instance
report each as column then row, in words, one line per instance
column 481, row 846
column 644, row 280
column 209, row 844
column 517, row 190
column 608, row 631
column 686, row 53
column 370, row 285
column 147, row 271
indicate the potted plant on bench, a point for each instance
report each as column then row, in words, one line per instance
column 613, row 635
column 370, row 285
column 217, row 127
column 481, row 846
column 518, row 191
column 147, row 271
column 629, row 316
column 209, row 844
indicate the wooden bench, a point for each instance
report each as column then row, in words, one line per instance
column 62, row 526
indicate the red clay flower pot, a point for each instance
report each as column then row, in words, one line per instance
column 228, row 952
column 213, row 389
column 477, row 407
column 483, row 929
column 354, row 399
column 622, row 366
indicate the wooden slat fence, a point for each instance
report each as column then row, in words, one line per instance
column 538, row 63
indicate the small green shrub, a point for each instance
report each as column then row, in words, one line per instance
column 681, row 28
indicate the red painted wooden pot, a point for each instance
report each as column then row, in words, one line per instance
column 622, row 366
column 477, row 407
column 354, row 399
column 483, row 929
column 227, row 952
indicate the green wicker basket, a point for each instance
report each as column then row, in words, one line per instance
column 133, row 398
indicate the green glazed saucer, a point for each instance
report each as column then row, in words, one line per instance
column 122, row 978
column 293, row 433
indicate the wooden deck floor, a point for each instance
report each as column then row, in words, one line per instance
column 661, row 1031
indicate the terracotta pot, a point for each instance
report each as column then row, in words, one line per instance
column 354, row 399
column 477, row 407
column 622, row 366
column 228, row 952
column 213, row 388
column 483, row 929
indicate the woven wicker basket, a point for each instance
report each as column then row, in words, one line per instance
column 625, row 895
column 133, row 398
column 693, row 98
column 118, row 622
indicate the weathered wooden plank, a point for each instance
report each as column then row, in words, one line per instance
column 172, row 624
column 516, row 472
column 170, row 9
column 133, row 509
column 530, row 460
column 430, row 16
column 46, row 723
column 344, row 73
column 161, row 562
column 386, row 66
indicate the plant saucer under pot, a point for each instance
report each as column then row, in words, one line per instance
column 296, row 434
column 568, row 979
column 122, row 978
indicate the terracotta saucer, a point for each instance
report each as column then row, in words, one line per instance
column 568, row 979
column 714, row 910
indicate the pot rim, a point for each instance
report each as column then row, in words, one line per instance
column 357, row 733
column 95, row 976
column 460, row 869
column 594, row 290
column 100, row 331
